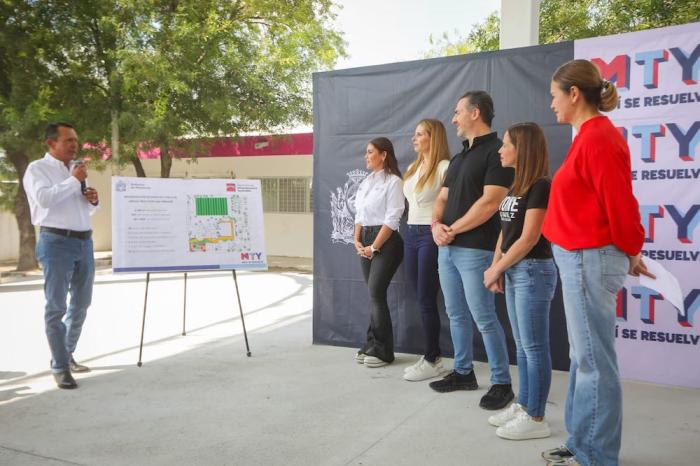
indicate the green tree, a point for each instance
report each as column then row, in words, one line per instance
column 25, row 105
column 172, row 74
column 482, row 37
column 562, row 20
column 206, row 70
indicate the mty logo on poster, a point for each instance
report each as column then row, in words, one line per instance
column 251, row 256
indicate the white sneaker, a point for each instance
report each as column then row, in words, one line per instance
column 373, row 361
column 415, row 365
column 502, row 418
column 523, row 427
column 360, row 358
column 425, row 371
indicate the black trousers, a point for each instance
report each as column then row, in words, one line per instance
column 378, row 273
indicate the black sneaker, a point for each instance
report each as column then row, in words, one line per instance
column 557, row 454
column 498, row 397
column 455, row 381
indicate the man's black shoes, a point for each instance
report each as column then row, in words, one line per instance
column 455, row 381
column 65, row 380
column 75, row 367
column 498, row 397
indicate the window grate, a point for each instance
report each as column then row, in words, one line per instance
column 287, row 195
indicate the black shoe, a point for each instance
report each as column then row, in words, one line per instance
column 498, row 397
column 65, row 380
column 75, row 367
column 455, row 381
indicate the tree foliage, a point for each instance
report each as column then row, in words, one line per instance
column 26, row 94
column 158, row 71
column 562, row 20
column 482, row 37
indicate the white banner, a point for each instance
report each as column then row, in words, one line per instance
column 657, row 73
column 163, row 225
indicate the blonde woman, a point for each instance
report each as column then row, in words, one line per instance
column 422, row 183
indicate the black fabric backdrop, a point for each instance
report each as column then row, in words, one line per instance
column 355, row 105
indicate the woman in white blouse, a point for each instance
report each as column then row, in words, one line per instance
column 422, row 183
column 379, row 205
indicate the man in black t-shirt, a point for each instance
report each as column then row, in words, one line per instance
column 465, row 226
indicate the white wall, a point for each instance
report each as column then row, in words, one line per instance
column 9, row 237
column 285, row 234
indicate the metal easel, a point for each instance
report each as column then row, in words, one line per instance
column 184, row 313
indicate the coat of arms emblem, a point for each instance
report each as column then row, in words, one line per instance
column 343, row 208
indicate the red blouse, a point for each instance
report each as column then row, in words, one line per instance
column 591, row 203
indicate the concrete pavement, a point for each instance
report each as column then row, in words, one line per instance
column 199, row 400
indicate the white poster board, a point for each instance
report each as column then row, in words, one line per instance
column 161, row 224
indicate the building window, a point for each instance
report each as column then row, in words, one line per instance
column 270, row 194
column 287, row 195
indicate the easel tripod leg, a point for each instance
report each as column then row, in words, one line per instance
column 184, row 306
column 240, row 309
column 143, row 322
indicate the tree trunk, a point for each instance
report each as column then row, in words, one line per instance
column 115, row 141
column 136, row 162
column 166, row 161
column 27, row 235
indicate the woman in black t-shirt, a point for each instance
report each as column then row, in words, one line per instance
column 524, row 257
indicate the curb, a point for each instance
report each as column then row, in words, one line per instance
column 102, row 263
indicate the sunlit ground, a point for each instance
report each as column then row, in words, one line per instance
column 111, row 334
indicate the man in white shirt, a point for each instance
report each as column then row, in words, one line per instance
column 61, row 205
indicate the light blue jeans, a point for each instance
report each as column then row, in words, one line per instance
column 590, row 280
column 462, row 280
column 69, row 266
column 530, row 286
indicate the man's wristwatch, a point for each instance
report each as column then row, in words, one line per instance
column 373, row 249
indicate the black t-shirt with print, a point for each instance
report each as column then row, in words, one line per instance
column 512, row 212
column 468, row 173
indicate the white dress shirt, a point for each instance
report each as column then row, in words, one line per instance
column 420, row 204
column 54, row 195
column 379, row 200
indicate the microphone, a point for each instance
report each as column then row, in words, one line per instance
column 83, row 184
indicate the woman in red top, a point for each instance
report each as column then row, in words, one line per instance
column 594, row 225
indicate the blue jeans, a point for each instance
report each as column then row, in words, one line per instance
column 69, row 266
column 530, row 286
column 462, row 279
column 590, row 281
column 421, row 265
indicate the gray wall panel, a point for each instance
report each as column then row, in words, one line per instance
column 353, row 106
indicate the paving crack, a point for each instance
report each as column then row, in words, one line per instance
column 22, row 452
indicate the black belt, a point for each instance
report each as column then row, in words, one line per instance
column 68, row 233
